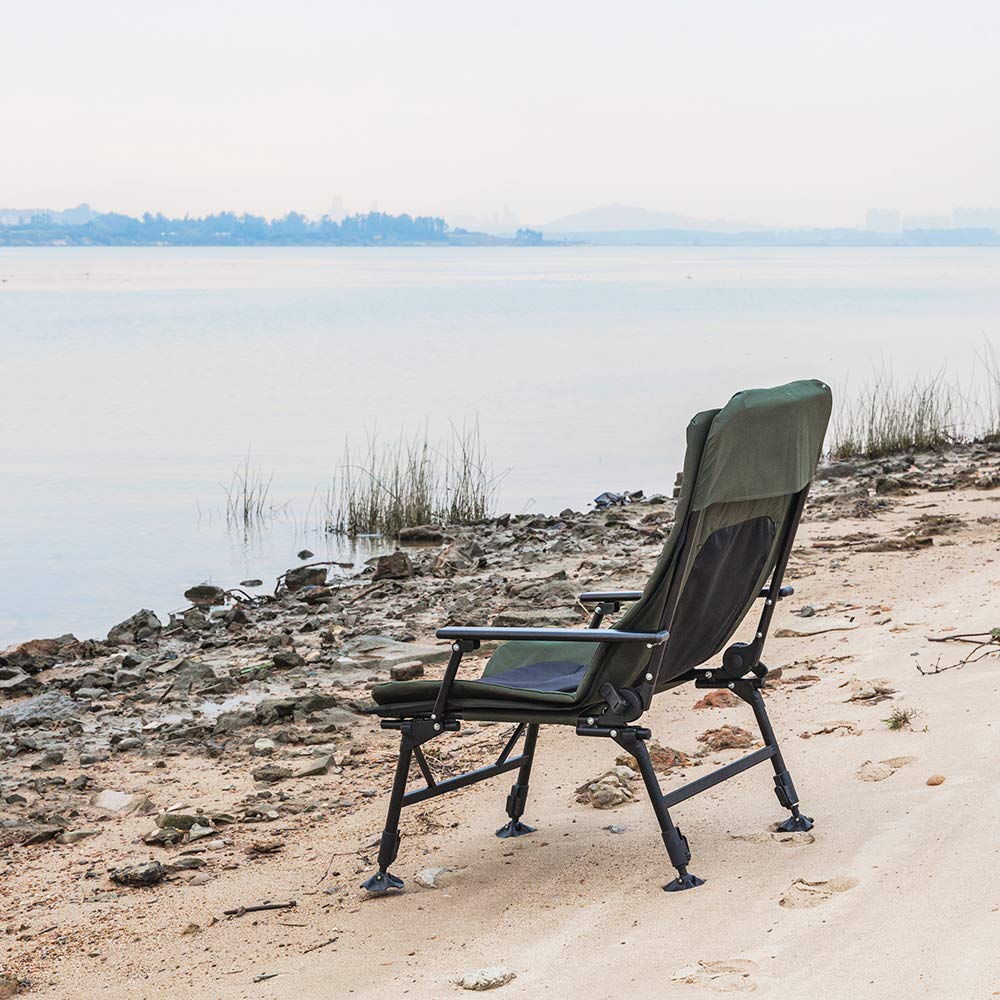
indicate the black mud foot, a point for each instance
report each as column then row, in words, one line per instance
column 796, row 824
column 514, row 828
column 382, row 882
column 684, row 881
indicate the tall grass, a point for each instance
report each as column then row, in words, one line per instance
column 411, row 482
column 248, row 497
column 989, row 362
column 887, row 417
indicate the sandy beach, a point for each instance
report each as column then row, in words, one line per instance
column 894, row 893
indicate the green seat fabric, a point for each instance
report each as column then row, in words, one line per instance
column 743, row 467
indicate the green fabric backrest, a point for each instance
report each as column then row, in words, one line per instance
column 763, row 443
column 744, row 461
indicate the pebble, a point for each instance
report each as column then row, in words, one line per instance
column 487, row 979
column 936, row 779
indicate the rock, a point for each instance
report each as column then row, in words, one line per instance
column 487, row 979
column 187, row 675
column 806, row 611
column 457, row 558
column 251, row 583
column 616, row 828
column 718, row 699
column 205, row 595
column 9, row 986
column 263, row 747
column 886, row 485
column 271, row 773
column 418, row 533
column 142, row 625
column 935, row 779
column 537, row 618
column 305, row 576
column 381, row 652
column 609, row 790
column 287, row 658
column 407, row 671
column 127, row 679
column 396, row 566
column 14, row 681
column 37, row 654
column 165, row 836
column 430, row 878
column 727, row 738
column 836, row 470
column 322, row 766
column 42, row 709
column 74, row 836
column 123, row 802
column 305, row 554
column 140, row 875
column 663, row 758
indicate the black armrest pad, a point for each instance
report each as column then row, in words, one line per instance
column 552, row 634
column 598, row 596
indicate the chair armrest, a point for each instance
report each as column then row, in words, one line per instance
column 785, row 591
column 555, row 634
column 599, row 596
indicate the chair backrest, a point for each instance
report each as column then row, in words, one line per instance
column 746, row 471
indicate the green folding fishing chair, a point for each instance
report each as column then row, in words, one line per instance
column 747, row 472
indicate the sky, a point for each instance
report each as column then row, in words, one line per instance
column 775, row 113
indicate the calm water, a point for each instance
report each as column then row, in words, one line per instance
column 135, row 380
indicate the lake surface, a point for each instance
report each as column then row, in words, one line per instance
column 135, row 380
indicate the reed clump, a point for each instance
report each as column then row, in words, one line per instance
column 248, row 497
column 412, row 481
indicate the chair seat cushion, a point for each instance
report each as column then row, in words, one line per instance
column 554, row 682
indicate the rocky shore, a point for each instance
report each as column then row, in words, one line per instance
column 206, row 752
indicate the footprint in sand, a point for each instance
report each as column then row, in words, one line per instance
column 731, row 975
column 802, row 894
column 878, row 771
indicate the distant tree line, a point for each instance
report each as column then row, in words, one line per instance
column 229, row 229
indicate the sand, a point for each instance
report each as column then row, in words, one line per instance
column 895, row 893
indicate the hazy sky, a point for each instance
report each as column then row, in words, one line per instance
column 773, row 112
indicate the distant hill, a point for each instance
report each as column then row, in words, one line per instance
column 630, row 218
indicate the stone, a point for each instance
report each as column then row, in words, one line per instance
column 41, row 709
column 37, row 654
column 142, row 625
column 727, row 738
column 271, row 773
column 935, row 779
column 537, row 618
column 205, row 595
column 836, row 470
column 487, row 979
column 15, row 681
column 305, row 554
column 718, row 699
column 422, row 533
column 457, row 558
column 263, row 747
column 663, row 758
column 396, row 566
column 74, row 836
column 285, row 659
column 322, row 766
column 609, row 790
column 305, row 576
column 251, row 583
column 111, row 801
column 407, row 671
column 139, row 875
column 128, row 678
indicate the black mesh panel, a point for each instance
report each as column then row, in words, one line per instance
column 725, row 572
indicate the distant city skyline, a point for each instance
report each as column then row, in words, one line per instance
column 780, row 114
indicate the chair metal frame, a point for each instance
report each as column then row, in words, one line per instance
column 741, row 672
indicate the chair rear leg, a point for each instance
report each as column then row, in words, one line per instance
column 784, row 788
column 675, row 842
column 518, row 797
column 383, row 880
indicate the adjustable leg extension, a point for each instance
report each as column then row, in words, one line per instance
column 383, row 880
column 784, row 789
column 632, row 739
column 519, row 790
